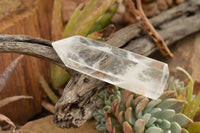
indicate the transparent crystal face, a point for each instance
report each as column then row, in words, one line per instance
column 136, row 73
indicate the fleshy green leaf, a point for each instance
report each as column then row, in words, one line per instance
column 151, row 121
column 151, row 105
column 191, row 84
column 196, row 105
column 140, row 106
column 146, row 117
column 181, row 119
column 59, row 77
column 175, row 128
column 194, row 127
column 167, row 94
column 105, row 20
column 184, row 130
column 165, row 124
column 164, row 114
column 88, row 22
column 139, row 126
column 71, row 22
column 153, row 130
column 127, row 127
column 172, row 103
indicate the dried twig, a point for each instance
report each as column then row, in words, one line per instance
column 52, row 96
column 138, row 12
column 8, row 100
column 6, row 124
column 8, row 71
column 49, row 107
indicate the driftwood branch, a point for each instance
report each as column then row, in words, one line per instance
column 137, row 11
column 78, row 100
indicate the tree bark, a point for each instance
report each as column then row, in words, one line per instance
column 78, row 100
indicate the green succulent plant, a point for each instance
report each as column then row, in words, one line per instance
column 127, row 112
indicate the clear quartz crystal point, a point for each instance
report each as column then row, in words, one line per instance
column 136, row 73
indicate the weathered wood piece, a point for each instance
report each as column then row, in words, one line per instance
column 78, row 99
column 27, row 17
column 185, row 10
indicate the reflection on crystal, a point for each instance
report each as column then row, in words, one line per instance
column 125, row 69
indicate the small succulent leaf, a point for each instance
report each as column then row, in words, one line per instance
column 139, row 126
column 125, row 96
column 117, row 110
column 175, row 127
column 128, row 114
column 188, row 108
column 106, row 108
column 114, row 104
column 8, row 71
column 164, row 114
column 196, row 105
column 129, row 101
column 155, row 110
column 121, row 117
column 151, row 105
column 101, row 127
column 181, row 119
column 8, row 100
column 106, row 114
column 127, row 127
column 6, row 124
column 140, row 106
column 146, row 117
column 98, row 117
column 166, row 104
column 151, row 121
column 137, row 100
column 117, row 93
column 165, row 124
column 167, row 131
column 153, row 130
column 178, row 107
column 194, row 127
column 167, row 94
column 183, row 130
column 109, row 125
column 190, row 90
column 114, row 129
column 159, row 121
column 190, row 84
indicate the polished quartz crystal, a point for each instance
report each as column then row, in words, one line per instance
column 131, row 71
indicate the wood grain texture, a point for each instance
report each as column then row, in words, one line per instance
column 46, row 125
column 28, row 17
